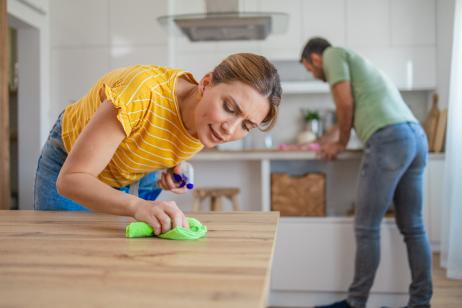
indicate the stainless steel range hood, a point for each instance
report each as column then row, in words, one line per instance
column 224, row 22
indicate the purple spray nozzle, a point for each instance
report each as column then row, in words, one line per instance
column 186, row 178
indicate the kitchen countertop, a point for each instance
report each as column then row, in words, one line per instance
column 267, row 154
column 262, row 154
column 74, row 259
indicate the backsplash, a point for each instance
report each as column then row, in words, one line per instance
column 290, row 121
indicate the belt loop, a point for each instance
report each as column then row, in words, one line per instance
column 134, row 188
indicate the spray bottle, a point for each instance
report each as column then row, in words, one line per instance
column 186, row 177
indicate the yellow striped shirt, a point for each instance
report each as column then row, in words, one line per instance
column 144, row 96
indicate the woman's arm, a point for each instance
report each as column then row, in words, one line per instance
column 90, row 154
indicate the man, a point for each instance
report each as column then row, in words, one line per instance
column 392, row 167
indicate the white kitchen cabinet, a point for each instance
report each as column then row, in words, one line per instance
column 136, row 23
column 316, row 256
column 398, row 37
column 413, row 22
column 368, row 23
column 301, row 87
column 314, row 264
column 79, row 23
column 307, row 18
column 287, row 44
column 323, row 18
column 408, row 67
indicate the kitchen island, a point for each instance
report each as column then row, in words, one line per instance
column 70, row 259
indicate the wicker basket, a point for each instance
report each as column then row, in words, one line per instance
column 299, row 195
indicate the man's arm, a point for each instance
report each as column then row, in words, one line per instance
column 330, row 136
column 344, row 102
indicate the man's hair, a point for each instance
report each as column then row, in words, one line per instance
column 314, row 45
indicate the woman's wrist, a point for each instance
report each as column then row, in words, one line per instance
column 134, row 204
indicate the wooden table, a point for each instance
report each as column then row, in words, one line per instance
column 70, row 259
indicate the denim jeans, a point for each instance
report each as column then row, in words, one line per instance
column 53, row 155
column 392, row 170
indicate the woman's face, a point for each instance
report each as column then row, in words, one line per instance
column 228, row 111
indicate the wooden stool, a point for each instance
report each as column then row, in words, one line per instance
column 215, row 194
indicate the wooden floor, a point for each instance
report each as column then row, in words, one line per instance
column 446, row 293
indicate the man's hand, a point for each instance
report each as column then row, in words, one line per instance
column 332, row 135
column 329, row 151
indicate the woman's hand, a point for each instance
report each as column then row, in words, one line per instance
column 166, row 181
column 161, row 215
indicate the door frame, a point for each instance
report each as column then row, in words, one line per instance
column 34, row 120
column 5, row 190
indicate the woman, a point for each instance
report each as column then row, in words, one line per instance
column 138, row 120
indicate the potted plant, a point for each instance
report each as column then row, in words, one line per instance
column 311, row 127
column 312, row 119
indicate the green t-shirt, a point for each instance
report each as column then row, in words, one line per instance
column 377, row 101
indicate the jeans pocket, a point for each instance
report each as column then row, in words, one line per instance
column 393, row 155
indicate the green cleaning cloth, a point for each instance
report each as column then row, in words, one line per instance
column 141, row 229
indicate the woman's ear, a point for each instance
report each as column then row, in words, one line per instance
column 205, row 82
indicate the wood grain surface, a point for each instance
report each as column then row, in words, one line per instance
column 430, row 123
column 70, row 259
column 440, row 133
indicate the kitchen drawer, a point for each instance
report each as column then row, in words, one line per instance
column 317, row 254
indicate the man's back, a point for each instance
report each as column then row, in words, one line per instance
column 378, row 102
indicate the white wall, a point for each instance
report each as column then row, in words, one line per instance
column 444, row 29
column 91, row 37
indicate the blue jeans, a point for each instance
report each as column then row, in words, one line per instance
column 392, row 170
column 53, row 155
